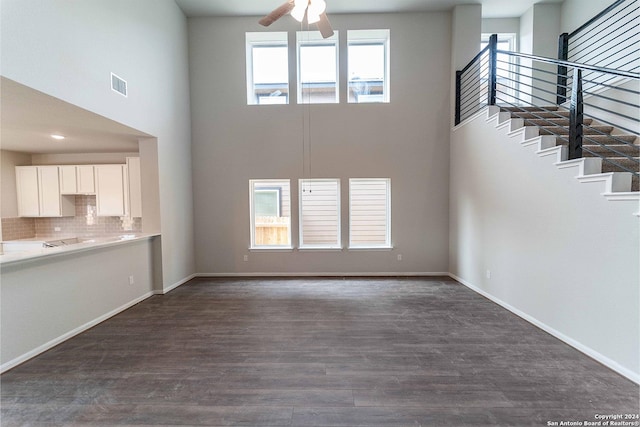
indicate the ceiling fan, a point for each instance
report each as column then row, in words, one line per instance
column 312, row 9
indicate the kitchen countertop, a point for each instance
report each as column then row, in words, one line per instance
column 47, row 238
column 86, row 243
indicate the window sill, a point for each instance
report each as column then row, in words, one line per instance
column 273, row 249
column 370, row 248
column 319, row 249
column 322, row 249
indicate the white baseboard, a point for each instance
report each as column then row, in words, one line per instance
column 54, row 342
column 325, row 274
column 175, row 285
column 611, row 364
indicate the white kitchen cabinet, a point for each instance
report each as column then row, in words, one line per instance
column 135, row 187
column 68, row 181
column 39, row 195
column 112, row 191
column 27, row 189
column 77, row 179
column 85, row 179
column 49, row 183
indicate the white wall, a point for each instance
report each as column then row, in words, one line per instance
column 546, row 29
column 500, row 25
column 539, row 32
column 466, row 22
column 68, row 49
column 577, row 12
column 405, row 140
column 46, row 300
column 558, row 251
column 466, row 28
column 9, row 197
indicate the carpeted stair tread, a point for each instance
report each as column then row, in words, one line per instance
column 549, row 108
column 607, row 150
column 600, row 140
column 609, row 139
column 564, row 130
column 621, row 162
column 539, row 114
column 552, row 122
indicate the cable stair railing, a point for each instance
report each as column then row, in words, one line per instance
column 593, row 110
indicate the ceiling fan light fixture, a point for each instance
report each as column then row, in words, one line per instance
column 317, row 7
column 311, row 17
column 314, row 10
column 298, row 12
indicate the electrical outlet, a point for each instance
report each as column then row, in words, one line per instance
column 131, row 281
column 399, row 257
column 488, row 274
column 246, row 258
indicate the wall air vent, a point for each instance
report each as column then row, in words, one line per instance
column 119, row 85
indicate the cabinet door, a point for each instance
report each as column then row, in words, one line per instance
column 27, row 189
column 48, row 181
column 110, row 190
column 86, row 182
column 68, row 180
column 135, row 187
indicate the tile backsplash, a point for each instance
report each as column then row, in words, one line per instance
column 18, row 228
column 85, row 223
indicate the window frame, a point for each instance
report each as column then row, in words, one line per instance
column 388, row 243
column 371, row 37
column 252, row 216
column 254, row 40
column 301, row 188
column 314, row 38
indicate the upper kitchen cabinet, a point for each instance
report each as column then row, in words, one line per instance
column 68, row 183
column 39, row 194
column 112, row 190
column 77, row 179
column 28, row 192
column 85, row 180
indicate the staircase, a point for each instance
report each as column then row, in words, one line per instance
column 598, row 141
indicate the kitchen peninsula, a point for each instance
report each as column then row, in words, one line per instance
column 74, row 250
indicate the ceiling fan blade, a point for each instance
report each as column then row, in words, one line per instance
column 325, row 26
column 277, row 13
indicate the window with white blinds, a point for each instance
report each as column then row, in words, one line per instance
column 319, row 213
column 370, row 213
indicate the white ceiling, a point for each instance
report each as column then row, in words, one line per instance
column 490, row 8
column 30, row 117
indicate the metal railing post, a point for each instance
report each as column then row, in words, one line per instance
column 576, row 116
column 493, row 61
column 563, row 55
column 458, row 95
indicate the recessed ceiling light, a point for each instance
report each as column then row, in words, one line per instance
column 56, row 136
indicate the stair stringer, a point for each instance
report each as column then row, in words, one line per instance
column 614, row 186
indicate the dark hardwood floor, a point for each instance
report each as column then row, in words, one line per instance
column 314, row 352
